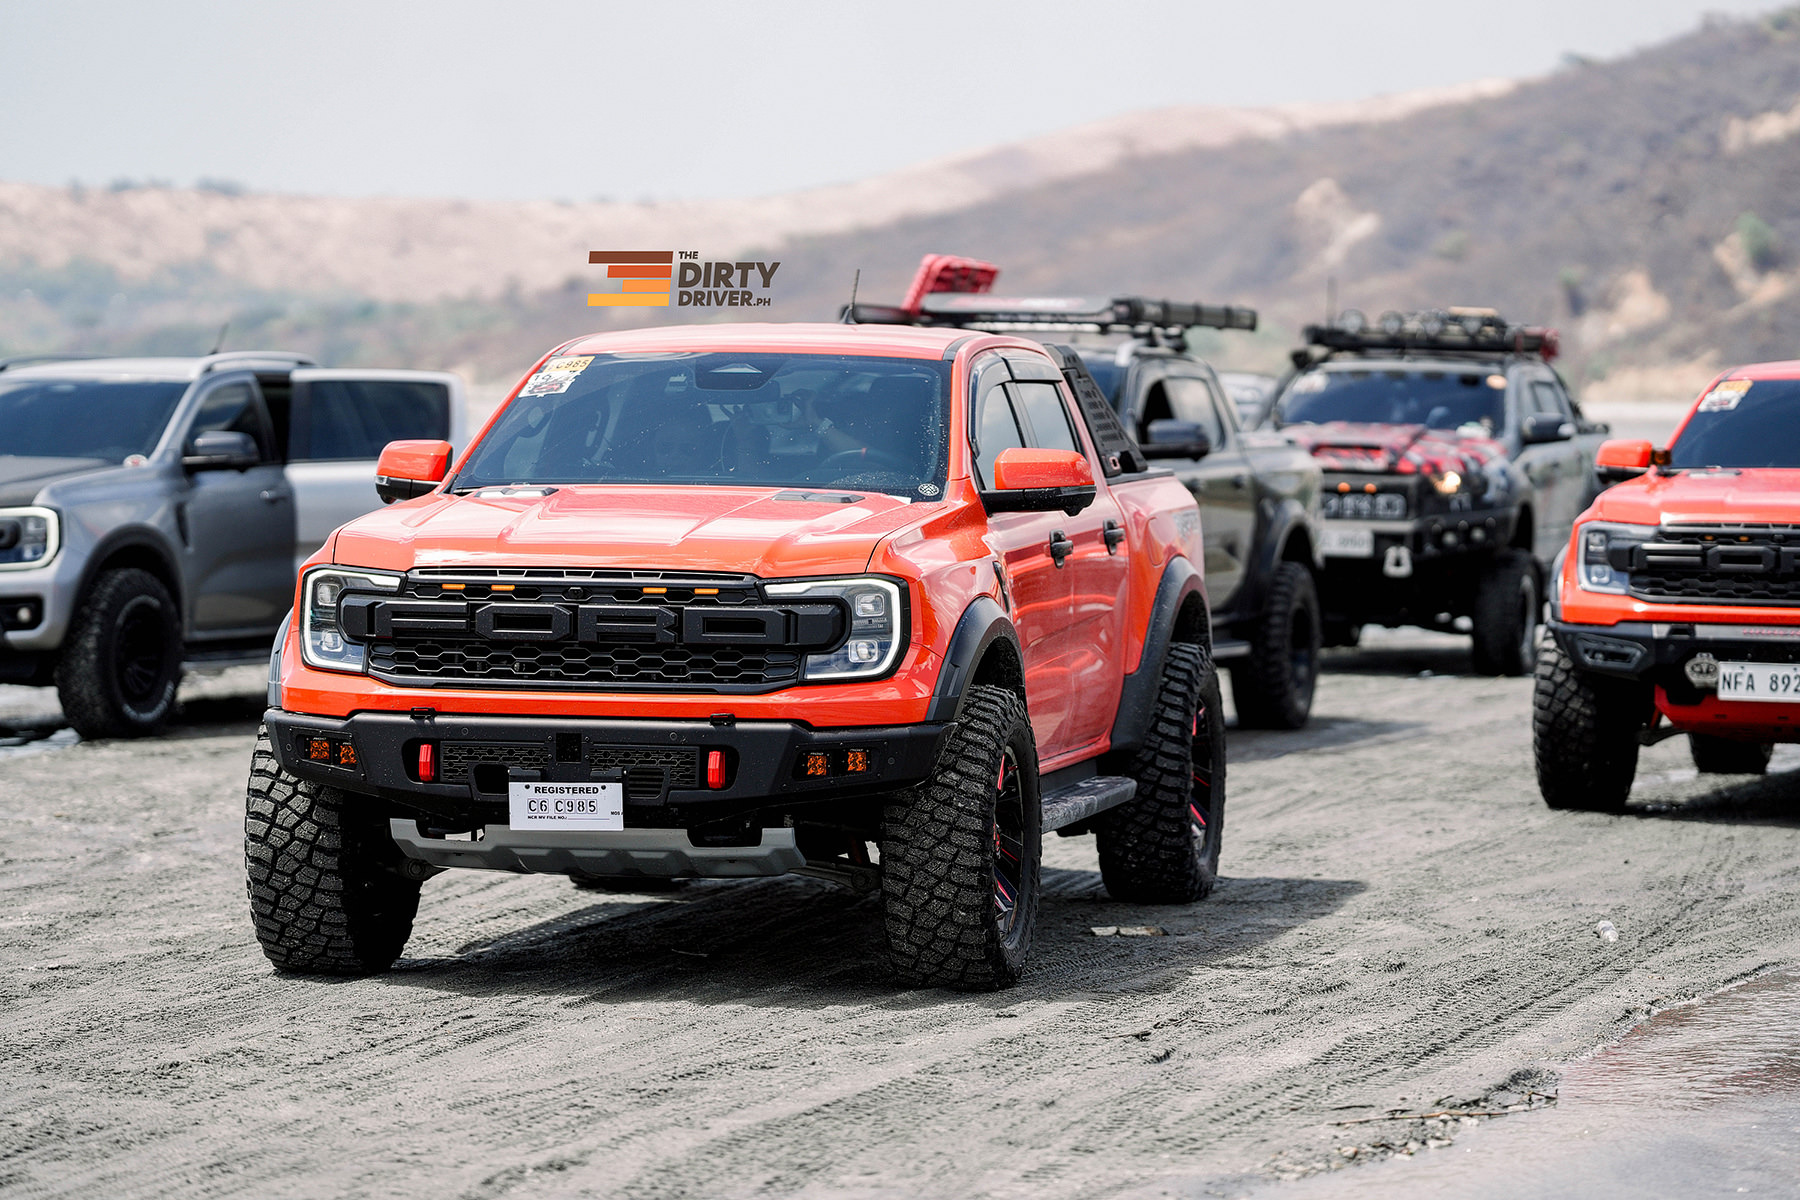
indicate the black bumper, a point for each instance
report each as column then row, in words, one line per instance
column 478, row 753
column 1659, row 652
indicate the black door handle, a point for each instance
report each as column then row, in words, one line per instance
column 1060, row 546
column 1114, row 535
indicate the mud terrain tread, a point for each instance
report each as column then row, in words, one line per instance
column 937, row 872
column 321, row 895
column 1146, row 847
column 1584, row 736
column 84, row 683
column 1497, row 648
column 1722, row 756
column 1264, row 686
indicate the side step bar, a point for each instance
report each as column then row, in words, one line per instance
column 1079, row 801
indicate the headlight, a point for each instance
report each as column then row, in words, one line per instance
column 877, row 627
column 1603, row 554
column 1447, row 484
column 28, row 537
column 322, row 641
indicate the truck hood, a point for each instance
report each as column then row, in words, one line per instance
column 1731, row 497
column 1395, row 449
column 22, row 478
column 769, row 532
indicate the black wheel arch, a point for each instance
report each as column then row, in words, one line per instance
column 138, row 547
column 1179, row 616
column 984, row 649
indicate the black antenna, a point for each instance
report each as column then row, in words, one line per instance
column 220, row 344
column 850, row 310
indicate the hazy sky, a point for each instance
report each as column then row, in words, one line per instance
column 569, row 100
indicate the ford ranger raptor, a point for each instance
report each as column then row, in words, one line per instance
column 1455, row 464
column 875, row 604
column 1676, row 607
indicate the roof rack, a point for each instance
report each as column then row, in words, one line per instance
column 952, row 292
column 214, row 362
column 1451, row 330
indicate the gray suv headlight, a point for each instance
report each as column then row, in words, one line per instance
column 29, row 537
column 322, row 640
column 877, row 627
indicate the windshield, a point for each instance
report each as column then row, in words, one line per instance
column 1743, row 423
column 790, row 420
column 1435, row 398
column 84, row 418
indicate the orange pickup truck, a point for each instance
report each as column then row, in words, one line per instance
column 876, row 604
column 1676, row 607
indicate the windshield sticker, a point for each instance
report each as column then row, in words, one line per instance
column 1725, row 396
column 572, row 366
column 556, row 376
column 1306, row 385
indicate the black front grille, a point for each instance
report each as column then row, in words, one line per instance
column 1705, row 564
column 624, row 666
column 648, row 770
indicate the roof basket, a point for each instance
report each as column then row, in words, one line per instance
column 1445, row 330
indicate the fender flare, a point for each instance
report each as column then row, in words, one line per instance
column 1286, row 516
column 136, row 537
column 275, row 660
column 1137, row 698
column 982, row 624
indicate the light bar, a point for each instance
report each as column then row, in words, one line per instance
column 1079, row 312
column 1467, row 329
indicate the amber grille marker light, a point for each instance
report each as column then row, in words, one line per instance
column 634, row 278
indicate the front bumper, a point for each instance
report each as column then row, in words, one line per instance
column 51, row 591
column 1659, row 651
column 655, row 853
column 763, row 761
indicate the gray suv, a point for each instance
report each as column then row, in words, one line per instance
column 153, row 511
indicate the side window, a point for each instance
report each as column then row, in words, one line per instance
column 1045, row 414
column 996, row 429
column 1156, row 408
column 354, row 419
column 235, row 409
column 1546, row 397
column 1193, row 401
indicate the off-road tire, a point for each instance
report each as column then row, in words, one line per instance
column 325, row 890
column 1162, row 847
column 1274, row 687
column 121, row 661
column 1722, row 756
column 1508, row 608
column 1583, row 734
column 941, row 854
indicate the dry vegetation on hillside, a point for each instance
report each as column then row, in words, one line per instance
column 1648, row 206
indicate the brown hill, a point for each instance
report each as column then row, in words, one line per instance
column 1649, row 206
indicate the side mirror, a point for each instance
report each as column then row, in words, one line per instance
column 1177, row 439
column 221, row 450
column 1618, row 460
column 408, row 469
column 1040, row 481
column 1539, row 428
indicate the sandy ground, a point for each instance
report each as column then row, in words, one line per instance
column 1401, row 923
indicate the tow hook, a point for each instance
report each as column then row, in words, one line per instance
column 1397, row 562
column 1702, row 671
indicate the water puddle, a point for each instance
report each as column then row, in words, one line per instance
column 1700, row 1100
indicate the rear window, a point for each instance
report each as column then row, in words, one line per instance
column 1743, row 423
column 354, row 418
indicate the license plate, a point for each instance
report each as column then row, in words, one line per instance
column 1759, row 681
column 565, row 805
column 1347, row 543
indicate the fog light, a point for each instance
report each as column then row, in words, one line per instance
column 856, row 762
column 815, row 764
column 864, row 652
column 318, row 750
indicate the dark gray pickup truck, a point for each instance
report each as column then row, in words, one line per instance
column 153, row 510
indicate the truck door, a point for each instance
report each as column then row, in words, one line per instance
column 1557, row 473
column 340, row 421
column 1037, row 587
column 1227, row 499
column 1095, row 565
column 237, row 526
